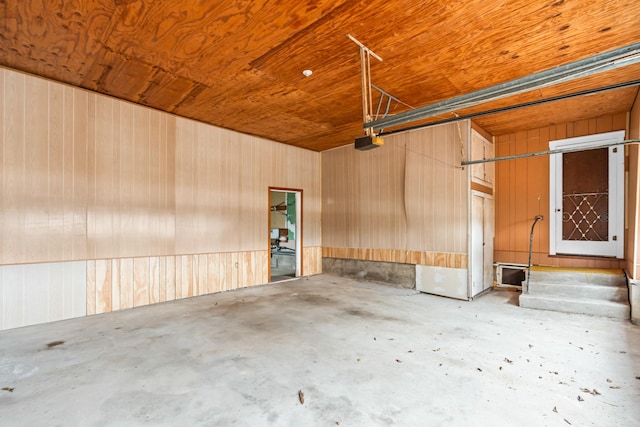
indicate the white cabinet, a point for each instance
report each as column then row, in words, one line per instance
column 481, row 148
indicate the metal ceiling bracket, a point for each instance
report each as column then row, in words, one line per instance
column 389, row 98
column 596, row 64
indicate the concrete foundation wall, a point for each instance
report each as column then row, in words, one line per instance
column 391, row 273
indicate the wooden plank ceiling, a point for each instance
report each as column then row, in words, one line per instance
column 239, row 64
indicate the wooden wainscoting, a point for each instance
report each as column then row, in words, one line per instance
column 311, row 260
column 437, row 259
column 118, row 284
column 40, row 293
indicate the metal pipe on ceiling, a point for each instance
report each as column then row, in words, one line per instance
column 596, row 64
column 548, row 152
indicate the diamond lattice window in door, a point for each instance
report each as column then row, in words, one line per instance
column 585, row 216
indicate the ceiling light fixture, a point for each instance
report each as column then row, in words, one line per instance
column 307, row 73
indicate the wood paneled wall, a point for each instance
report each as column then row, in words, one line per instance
column 409, row 195
column 161, row 207
column 633, row 193
column 85, row 176
column 117, row 284
column 522, row 192
column 38, row 293
column 131, row 180
column 222, row 181
column 312, row 260
column 43, row 170
column 435, row 259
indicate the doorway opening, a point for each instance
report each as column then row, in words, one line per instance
column 285, row 234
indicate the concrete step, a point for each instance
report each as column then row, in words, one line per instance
column 617, row 293
column 592, row 276
column 599, row 292
column 590, row 306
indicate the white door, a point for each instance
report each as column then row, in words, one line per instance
column 488, row 235
column 587, row 196
column 481, row 242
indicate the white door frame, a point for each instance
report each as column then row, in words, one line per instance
column 615, row 245
column 482, row 233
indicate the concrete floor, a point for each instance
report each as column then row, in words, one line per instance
column 279, row 274
column 362, row 354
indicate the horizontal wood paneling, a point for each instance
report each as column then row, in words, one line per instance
column 522, row 192
column 436, row 259
column 85, row 176
column 408, row 195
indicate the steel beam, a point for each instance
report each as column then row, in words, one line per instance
column 515, row 107
column 585, row 67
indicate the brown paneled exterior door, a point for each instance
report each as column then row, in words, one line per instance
column 587, row 196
